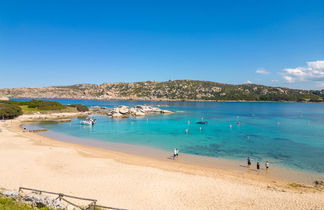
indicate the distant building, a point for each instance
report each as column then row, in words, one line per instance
column 2, row 98
column 322, row 92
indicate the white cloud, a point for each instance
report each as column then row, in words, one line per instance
column 248, row 82
column 314, row 71
column 274, row 80
column 261, row 71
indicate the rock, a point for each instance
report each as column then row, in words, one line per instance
column 10, row 193
column 116, row 115
column 166, row 112
column 139, row 113
column 139, row 110
column 40, row 201
column 123, row 110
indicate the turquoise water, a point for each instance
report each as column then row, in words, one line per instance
column 289, row 134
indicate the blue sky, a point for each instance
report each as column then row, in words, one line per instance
column 278, row 43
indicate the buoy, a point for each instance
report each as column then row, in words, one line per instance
column 187, row 131
column 239, row 123
column 188, row 122
column 230, row 126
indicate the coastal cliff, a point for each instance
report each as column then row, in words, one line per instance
column 169, row 90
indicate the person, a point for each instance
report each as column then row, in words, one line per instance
column 175, row 153
column 258, row 165
column 267, row 165
column 249, row 161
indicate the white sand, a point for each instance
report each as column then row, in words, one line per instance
column 132, row 182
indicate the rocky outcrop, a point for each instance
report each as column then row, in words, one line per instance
column 136, row 111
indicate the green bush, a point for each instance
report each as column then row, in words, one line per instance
column 11, row 204
column 80, row 107
column 44, row 105
column 9, row 111
column 39, row 104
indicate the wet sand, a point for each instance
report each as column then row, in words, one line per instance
column 127, row 180
column 275, row 172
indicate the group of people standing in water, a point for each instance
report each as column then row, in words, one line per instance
column 258, row 164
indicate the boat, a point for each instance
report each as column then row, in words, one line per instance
column 88, row 121
column 202, row 122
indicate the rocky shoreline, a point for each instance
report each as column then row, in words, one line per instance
column 126, row 111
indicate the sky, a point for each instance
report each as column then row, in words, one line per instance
column 269, row 42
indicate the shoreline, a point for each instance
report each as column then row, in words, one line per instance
column 118, row 178
column 166, row 100
column 276, row 173
column 236, row 167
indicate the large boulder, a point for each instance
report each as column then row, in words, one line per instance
column 122, row 109
column 116, row 115
column 139, row 113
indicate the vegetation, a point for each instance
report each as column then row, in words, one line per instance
column 80, row 107
column 44, row 105
column 11, row 204
column 12, row 109
column 9, row 111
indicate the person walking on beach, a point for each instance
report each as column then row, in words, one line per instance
column 175, row 153
column 267, row 165
column 258, row 165
column 249, row 161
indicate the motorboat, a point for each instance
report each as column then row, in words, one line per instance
column 88, row 121
column 202, row 122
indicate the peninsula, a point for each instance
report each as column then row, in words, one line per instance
column 168, row 90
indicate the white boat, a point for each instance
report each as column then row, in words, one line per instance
column 88, row 121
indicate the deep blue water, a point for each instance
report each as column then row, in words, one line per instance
column 290, row 134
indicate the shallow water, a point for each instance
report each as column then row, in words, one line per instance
column 287, row 134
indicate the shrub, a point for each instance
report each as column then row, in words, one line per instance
column 44, row 105
column 9, row 111
column 80, row 107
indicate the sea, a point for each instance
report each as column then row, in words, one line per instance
column 286, row 134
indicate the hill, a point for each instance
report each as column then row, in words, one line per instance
column 168, row 90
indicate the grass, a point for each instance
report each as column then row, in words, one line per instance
column 11, row 204
column 27, row 110
column 297, row 185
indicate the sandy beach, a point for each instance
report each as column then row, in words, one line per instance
column 134, row 182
